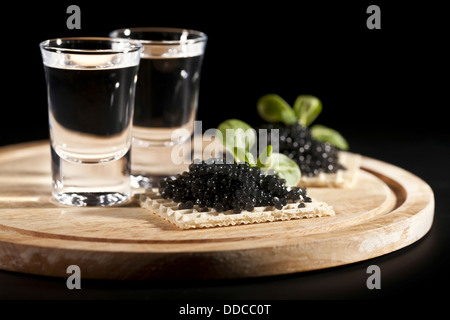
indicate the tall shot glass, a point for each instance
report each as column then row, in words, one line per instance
column 166, row 100
column 90, row 88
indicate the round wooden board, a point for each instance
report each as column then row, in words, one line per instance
column 388, row 209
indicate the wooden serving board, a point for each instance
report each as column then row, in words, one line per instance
column 388, row 209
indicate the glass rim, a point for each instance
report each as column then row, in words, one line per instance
column 201, row 36
column 57, row 45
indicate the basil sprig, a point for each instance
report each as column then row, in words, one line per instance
column 273, row 108
column 238, row 138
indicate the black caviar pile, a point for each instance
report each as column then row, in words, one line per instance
column 238, row 187
column 312, row 156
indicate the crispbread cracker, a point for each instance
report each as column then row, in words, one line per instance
column 341, row 179
column 193, row 218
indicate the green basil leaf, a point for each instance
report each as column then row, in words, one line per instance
column 273, row 108
column 307, row 108
column 325, row 134
column 241, row 155
column 264, row 157
column 285, row 167
column 237, row 133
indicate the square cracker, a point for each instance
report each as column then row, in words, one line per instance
column 341, row 179
column 193, row 218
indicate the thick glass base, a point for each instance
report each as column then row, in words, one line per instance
column 91, row 184
column 150, row 164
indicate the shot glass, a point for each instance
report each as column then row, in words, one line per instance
column 90, row 89
column 166, row 100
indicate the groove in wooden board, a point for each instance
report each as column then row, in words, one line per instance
column 43, row 236
column 134, row 224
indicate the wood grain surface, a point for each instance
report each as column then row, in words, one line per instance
column 388, row 209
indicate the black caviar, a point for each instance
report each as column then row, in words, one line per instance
column 238, row 187
column 311, row 155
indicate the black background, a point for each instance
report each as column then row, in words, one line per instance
column 368, row 80
column 382, row 89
